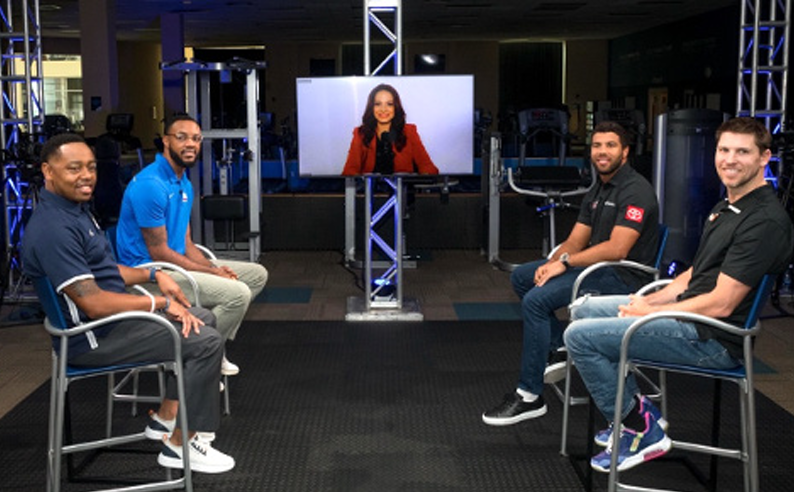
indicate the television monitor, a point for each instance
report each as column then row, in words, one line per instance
column 330, row 108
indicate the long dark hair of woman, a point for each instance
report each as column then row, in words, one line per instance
column 369, row 123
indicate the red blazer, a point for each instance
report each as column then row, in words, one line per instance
column 361, row 159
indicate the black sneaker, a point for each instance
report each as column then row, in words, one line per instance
column 555, row 368
column 514, row 409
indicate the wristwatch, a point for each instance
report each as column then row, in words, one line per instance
column 153, row 274
column 564, row 260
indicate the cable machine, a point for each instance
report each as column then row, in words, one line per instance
column 197, row 79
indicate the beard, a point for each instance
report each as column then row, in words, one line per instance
column 179, row 161
column 613, row 166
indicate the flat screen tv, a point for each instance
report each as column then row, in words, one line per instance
column 330, row 108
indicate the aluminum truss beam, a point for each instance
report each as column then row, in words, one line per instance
column 763, row 61
column 21, row 117
column 383, row 293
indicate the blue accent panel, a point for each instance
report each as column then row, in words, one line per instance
column 285, row 295
column 502, row 311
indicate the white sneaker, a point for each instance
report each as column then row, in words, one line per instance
column 556, row 367
column 203, row 457
column 158, row 428
column 229, row 368
column 206, row 436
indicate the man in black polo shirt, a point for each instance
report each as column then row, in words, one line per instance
column 619, row 219
column 63, row 243
column 747, row 236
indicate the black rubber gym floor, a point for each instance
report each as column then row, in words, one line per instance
column 386, row 406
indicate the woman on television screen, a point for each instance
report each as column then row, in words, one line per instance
column 385, row 143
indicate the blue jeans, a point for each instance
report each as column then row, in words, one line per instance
column 593, row 340
column 542, row 330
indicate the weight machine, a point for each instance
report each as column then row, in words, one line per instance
column 197, row 76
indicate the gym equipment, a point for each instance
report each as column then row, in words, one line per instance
column 552, row 184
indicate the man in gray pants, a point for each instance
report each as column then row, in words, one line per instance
column 63, row 243
column 154, row 224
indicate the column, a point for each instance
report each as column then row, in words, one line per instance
column 99, row 63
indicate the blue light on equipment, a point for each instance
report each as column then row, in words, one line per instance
column 382, row 287
column 676, row 268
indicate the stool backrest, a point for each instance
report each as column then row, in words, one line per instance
column 110, row 235
column 664, row 233
column 49, row 302
column 761, row 296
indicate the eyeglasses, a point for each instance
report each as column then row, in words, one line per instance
column 183, row 137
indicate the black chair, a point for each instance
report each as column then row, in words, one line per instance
column 225, row 208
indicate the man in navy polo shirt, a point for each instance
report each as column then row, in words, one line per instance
column 154, row 224
column 64, row 243
column 746, row 236
column 619, row 219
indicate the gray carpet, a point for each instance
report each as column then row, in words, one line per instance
column 334, row 406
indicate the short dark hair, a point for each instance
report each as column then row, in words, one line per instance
column 748, row 126
column 175, row 118
column 52, row 147
column 616, row 128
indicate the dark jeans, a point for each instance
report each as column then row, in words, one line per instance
column 542, row 329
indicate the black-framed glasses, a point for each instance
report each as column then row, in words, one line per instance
column 183, row 137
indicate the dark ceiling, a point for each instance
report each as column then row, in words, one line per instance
column 257, row 22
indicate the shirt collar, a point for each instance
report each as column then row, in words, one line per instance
column 74, row 208
column 166, row 170
column 745, row 201
column 621, row 175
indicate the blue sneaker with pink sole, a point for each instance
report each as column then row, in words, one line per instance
column 634, row 447
column 646, row 405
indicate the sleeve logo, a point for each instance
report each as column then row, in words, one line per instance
column 634, row 214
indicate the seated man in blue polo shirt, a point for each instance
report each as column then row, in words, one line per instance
column 63, row 243
column 154, row 224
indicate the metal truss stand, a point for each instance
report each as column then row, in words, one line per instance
column 763, row 71
column 383, row 295
column 383, row 301
column 21, row 118
column 198, row 105
column 762, row 87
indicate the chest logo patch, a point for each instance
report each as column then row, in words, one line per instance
column 634, row 214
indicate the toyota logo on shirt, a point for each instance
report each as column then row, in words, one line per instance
column 634, row 214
